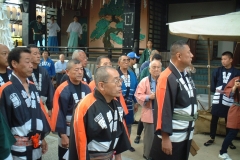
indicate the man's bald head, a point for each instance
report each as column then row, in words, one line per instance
column 108, row 82
column 61, row 57
column 4, row 51
column 102, row 74
column 2, row 45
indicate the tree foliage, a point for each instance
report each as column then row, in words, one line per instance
column 104, row 29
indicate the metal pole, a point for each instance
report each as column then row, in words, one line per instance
column 110, row 53
column 209, row 75
column 136, row 46
column 86, row 51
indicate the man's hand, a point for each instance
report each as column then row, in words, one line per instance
column 64, row 141
column 49, row 113
column 166, row 144
column 63, row 71
column 118, row 157
column 44, row 146
column 135, row 107
column 152, row 96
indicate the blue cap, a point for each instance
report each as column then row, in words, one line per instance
column 132, row 55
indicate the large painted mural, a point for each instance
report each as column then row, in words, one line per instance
column 108, row 29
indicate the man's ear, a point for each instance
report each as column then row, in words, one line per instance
column 67, row 72
column 178, row 55
column 14, row 64
column 101, row 86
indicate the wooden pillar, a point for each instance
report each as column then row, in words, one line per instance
column 131, row 26
column 27, row 6
column 236, row 59
column 59, row 22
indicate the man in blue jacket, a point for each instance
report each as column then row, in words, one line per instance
column 129, row 86
column 48, row 64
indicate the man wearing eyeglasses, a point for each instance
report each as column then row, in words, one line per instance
column 101, row 62
column 129, row 86
column 99, row 127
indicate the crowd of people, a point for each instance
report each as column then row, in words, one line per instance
column 93, row 118
column 74, row 33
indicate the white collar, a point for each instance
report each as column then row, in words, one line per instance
column 18, row 78
column 185, row 72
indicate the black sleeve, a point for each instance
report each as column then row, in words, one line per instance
column 214, row 80
column 50, row 93
column 123, row 142
column 6, row 111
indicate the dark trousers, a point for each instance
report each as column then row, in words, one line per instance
column 228, row 140
column 61, row 152
column 40, row 42
column 213, row 126
column 140, row 127
column 180, row 150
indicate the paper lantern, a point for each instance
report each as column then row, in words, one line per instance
column 14, row 13
column 20, row 30
column 12, row 31
column 37, row 12
column 19, row 14
column 15, row 29
column 43, row 15
column 8, row 12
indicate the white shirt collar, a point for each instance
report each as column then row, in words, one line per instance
column 185, row 72
column 18, row 78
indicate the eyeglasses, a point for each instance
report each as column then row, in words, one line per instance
column 116, row 81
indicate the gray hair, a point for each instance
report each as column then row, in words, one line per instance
column 71, row 63
column 75, row 54
column 153, row 52
column 99, row 59
column 102, row 74
column 151, row 63
column 120, row 58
